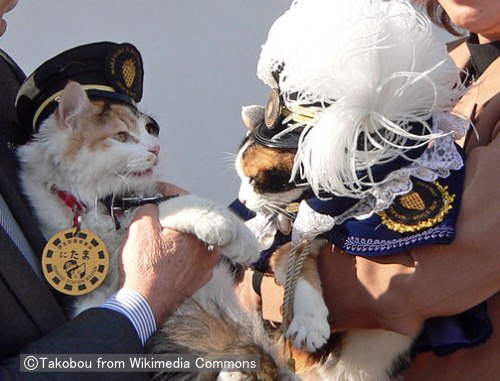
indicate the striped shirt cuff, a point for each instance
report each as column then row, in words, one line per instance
column 136, row 308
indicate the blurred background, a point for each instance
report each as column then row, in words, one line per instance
column 200, row 59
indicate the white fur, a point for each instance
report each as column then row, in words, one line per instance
column 89, row 176
column 309, row 328
column 212, row 224
column 368, row 355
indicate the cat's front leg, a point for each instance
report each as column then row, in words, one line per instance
column 309, row 328
column 213, row 224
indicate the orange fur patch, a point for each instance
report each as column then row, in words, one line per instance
column 259, row 158
column 99, row 123
column 309, row 271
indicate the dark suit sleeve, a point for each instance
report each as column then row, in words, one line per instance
column 97, row 330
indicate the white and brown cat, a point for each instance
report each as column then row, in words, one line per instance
column 96, row 149
column 267, row 189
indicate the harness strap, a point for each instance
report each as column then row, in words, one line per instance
column 257, row 281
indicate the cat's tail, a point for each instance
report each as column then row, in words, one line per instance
column 207, row 329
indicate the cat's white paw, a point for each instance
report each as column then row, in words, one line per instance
column 215, row 228
column 308, row 332
column 309, row 329
column 244, row 248
column 212, row 224
column 208, row 221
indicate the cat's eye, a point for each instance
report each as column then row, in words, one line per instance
column 121, row 137
column 152, row 128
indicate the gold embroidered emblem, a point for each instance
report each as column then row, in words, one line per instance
column 124, row 71
column 424, row 207
column 413, row 201
column 128, row 71
column 75, row 263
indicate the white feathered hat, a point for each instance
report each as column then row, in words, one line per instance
column 366, row 80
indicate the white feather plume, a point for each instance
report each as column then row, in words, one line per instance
column 375, row 66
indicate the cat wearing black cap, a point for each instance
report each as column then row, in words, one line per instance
column 92, row 159
column 90, row 151
column 355, row 146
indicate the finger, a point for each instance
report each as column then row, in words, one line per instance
column 146, row 211
column 215, row 256
column 168, row 189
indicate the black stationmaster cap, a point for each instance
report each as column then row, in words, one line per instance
column 104, row 69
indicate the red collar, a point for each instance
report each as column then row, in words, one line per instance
column 71, row 202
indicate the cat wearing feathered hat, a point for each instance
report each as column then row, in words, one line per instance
column 355, row 147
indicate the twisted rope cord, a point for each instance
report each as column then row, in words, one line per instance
column 295, row 263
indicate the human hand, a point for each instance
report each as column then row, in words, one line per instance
column 169, row 189
column 163, row 265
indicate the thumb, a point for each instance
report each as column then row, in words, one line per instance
column 149, row 212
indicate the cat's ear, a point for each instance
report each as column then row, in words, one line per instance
column 73, row 102
column 252, row 116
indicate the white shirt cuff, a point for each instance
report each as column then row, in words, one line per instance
column 136, row 308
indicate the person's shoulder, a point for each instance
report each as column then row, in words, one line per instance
column 14, row 67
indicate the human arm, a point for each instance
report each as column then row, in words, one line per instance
column 402, row 291
column 96, row 330
column 175, row 266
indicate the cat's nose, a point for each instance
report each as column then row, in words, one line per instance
column 155, row 150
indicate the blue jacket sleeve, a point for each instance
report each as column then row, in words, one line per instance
column 97, row 330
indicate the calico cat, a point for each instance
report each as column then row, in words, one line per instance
column 93, row 150
column 267, row 190
column 89, row 151
column 356, row 145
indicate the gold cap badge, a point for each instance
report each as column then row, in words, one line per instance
column 124, row 70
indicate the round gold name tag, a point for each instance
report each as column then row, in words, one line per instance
column 75, row 262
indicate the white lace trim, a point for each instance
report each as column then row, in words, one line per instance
column 309, row 224
column 437, row 161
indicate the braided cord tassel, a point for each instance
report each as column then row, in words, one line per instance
column 295, row 261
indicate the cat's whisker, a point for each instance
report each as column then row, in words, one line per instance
column 283, row 211
column 280, row 210
column 123, row 177
column 228, row 161
column 229, row 168
column 229, row 156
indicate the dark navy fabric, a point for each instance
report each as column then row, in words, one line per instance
column 371, row 238
column 444, row 335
